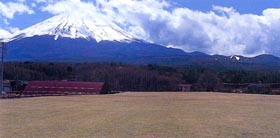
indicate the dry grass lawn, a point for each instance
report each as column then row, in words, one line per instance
column 142, row 115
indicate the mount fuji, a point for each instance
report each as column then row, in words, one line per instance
column 81, row 39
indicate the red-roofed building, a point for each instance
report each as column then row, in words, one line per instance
column 49, row 88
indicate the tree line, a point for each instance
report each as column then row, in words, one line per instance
column 124, row 77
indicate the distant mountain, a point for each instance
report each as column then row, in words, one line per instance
column 45, row 48
column 266, row 59
column 235, row 62
column 64, row 38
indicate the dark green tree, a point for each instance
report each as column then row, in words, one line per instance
column 208, row 81
column 106, row 89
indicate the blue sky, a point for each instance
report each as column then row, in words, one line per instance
column 243, row 6
column 228, row 27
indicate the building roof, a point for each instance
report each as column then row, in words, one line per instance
column 62, row 87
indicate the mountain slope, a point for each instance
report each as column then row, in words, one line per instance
column 45, row 48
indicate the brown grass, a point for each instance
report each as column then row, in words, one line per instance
column 142, row 115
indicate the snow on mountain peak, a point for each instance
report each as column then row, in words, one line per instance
column 72, row 26
column 235, row 57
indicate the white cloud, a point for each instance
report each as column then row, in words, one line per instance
column 71, row 7
column 224, row 10
column 21, row 1
column 4, row 34
column 33, row 5
column 8, row 10
column 220, row 31
column 45, row 1
column 6, row 21
column 14, row 30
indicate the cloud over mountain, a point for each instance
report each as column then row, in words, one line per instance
column 75, row 7
column 4, row 34
column 222, row 30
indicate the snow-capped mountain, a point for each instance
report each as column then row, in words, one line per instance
column 90, row 27
column 79, row 38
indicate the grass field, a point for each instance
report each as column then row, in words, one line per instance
column 142, row 115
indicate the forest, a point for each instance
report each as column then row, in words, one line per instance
column 124, row 77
